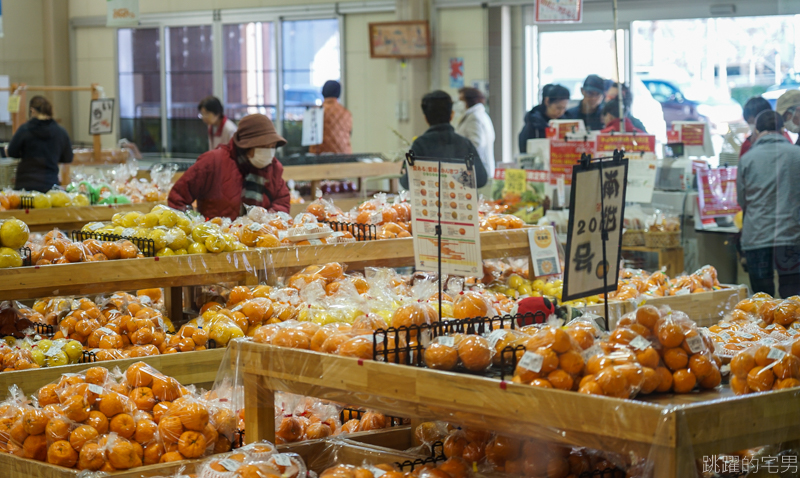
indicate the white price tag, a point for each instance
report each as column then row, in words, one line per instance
column 54, row 349
column 725, row 326
column 282, row 460
column 106, row 331
column 776, row 354
column 640, row 343
column 683, row 292
column 495, row 337
column 230, row 465
column 446, row 340
column 745, row 335
column 531, row 361
column 725, row 337
column 695, row 344
column 96, row 389
column 769, row 327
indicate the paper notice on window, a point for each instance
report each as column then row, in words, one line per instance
column 313, row 127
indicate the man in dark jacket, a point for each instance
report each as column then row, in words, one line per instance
column 242, row 172
column 591, row 105
column 441, row 140
column 41, row 145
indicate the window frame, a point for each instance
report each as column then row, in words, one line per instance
column 216, row 20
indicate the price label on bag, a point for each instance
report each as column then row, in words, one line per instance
column 695, row 343
column 640, row 343
column 446, row 340
column 230, row 465
column 531, row 361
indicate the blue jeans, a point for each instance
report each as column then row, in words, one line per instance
column 762, row 263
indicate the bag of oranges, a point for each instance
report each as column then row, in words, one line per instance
column 766, row 366
column 552, row 359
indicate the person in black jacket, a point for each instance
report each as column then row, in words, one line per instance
column 41, row 144
column 591, row 105
column 441, row 140
column 554, row 104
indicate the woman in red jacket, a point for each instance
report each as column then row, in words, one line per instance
column 243, row 172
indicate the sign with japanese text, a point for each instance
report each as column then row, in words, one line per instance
column 560, row 128
column 102, row 116
column 597, row 200
column 693, row 134
column 452, row 187
column 631, row 143
column 313, row 127
column 564, row 155
column 544, row 251
column 717, row 192
column 559, row 11
column 122, row 13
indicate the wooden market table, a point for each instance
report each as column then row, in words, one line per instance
column 69, row 218
column 243, row 267
column 671, row 430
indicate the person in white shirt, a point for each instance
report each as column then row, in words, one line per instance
column 476, row 126
column 220, row 127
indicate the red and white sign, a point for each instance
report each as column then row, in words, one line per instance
column 559, row 11
column 693, row 134
column 564, row 155
column 717, row 196
column 631, row 143
column 531, row 175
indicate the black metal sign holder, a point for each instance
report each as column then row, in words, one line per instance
column 411, row 157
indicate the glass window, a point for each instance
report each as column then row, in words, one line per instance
column 251, row 84
column 140, row 87
column 310, row 58
column 712, row 66
column 190, row 78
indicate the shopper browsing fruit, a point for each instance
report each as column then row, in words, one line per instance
column 41, row 145
column 242, row 172
column 220, row 128
column 768, row 194
column 441, row 140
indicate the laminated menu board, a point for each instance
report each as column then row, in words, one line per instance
column 451, row 186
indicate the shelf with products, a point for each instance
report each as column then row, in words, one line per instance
column 69, row 218
column 671, row 430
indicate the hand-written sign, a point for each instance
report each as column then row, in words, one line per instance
column 102, row 116
column 597, row 198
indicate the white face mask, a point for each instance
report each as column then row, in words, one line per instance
column 459, row 107
column 791, row 125
column 262, row 157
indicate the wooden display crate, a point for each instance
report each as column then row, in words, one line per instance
column 671, row 430
column 197, row 368
column 69, row 218
column 380, row 446
column 704, row 308
column 671, row 259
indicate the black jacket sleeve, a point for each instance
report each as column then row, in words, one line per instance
column 66, row 151
column 16, row 146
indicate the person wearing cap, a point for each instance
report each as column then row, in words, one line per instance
column 553, row 106
column 787, row 108
column 337, row 125
column 591, row 105
column 242, row 172
column 220, row 127
column 770, row 201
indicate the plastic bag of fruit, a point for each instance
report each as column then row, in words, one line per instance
column 766, row 366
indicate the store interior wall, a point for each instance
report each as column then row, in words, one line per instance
column 94, row 63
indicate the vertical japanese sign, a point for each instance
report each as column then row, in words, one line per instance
column 717, row 195
column 313, row 127
column 122, row 13
column 559, row 11
column 590, row 202
column 564, row 155
column 461, row 245
column 102, row 116
column 457, row 72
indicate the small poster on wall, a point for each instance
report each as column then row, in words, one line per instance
column 456, row 72
column 559, row 11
